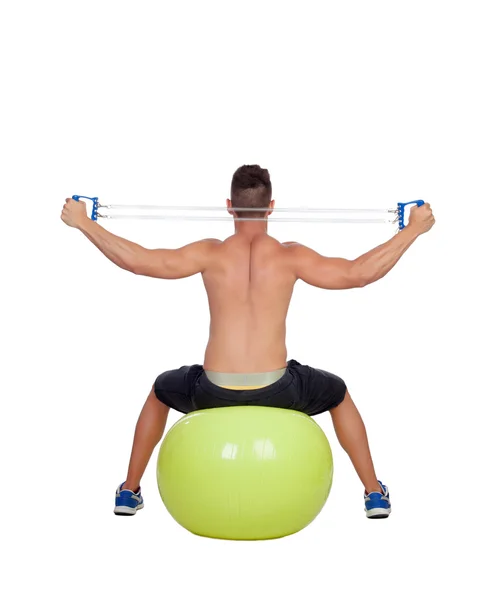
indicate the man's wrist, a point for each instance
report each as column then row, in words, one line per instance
column 413, row 230
column 84, row 224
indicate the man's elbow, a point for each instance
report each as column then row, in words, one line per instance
column 359, row 277
column 128, row 265
column 358, row 282
column 137, row 266
column 136, row 269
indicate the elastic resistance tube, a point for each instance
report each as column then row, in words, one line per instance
column 232, row 219
column 287, row 209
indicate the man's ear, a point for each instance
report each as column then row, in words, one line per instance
column 229, row 207
column 271, row 207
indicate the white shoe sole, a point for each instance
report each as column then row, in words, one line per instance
column 378, row 513
column 126, row 510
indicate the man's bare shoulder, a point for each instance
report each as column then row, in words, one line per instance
column 200, row 248
column 295, row 251
column 208, row 243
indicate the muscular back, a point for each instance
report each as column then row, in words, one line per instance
column 249, row 279
column 249, row 284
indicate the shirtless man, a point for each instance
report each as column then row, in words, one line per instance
column 249, row 279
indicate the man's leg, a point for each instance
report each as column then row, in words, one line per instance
column 350, row 430
column 148, row 433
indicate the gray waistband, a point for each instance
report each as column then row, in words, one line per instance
column 244, row 379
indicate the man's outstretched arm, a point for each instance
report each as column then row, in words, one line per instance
column 164, row 264
column 340, row 273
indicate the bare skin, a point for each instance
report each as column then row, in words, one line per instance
column 249, row 279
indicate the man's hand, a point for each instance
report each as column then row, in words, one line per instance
column 421, row 218
column 74, row 213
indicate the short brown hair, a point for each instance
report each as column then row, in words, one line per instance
column 251, row 188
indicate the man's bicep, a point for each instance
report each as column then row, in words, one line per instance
column 324, row 272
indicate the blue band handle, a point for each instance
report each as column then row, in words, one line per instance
column 96, row 204
column 400, row 210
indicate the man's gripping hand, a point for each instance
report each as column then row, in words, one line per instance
column 74, row 213
column 421, row 218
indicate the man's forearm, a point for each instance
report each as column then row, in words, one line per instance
column 120, row 251
column 373, row 265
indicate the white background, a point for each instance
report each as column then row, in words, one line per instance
column 347, row 104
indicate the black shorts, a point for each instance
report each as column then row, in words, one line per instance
column 301, row 388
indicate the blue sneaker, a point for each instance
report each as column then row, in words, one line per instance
column 127, row 503
column 377, row 505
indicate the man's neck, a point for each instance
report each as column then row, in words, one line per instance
column 250, row 228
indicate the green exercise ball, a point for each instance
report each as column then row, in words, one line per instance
column 245, row 472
